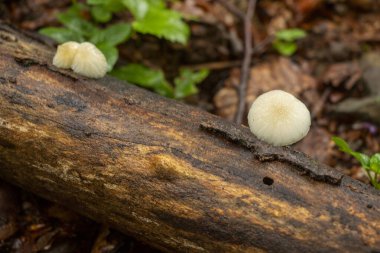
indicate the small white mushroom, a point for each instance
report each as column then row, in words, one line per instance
column 64, row 56
column 89, row 61
column 279, row 118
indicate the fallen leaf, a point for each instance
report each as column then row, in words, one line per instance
column 346, row 73
column 278, row 73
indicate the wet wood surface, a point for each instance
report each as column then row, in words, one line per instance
column 169, row 174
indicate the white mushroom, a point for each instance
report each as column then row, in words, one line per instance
column 279, row 118
column 64, row 56
column 89, row 61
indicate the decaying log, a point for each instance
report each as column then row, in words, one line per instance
column 166, row 173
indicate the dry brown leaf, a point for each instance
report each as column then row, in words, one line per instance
column 346, row 73
column 279, row 73
column 317, row 144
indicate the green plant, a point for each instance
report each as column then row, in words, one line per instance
column 149, row 17
column 285, row 40
column 184, row 84
column 77, row 28
column 371, row 165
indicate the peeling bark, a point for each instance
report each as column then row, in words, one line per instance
column 166, row 173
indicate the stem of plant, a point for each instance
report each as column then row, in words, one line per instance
column 245, row 71
column 373, row 180
column 368, row 174
column 377, row 184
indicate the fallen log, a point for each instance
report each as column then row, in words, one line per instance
column 166, row 173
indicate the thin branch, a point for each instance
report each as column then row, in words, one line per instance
column 232, row 8
column 245, row 71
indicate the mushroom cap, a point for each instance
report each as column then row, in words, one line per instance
column 89, row 61
column 279, row 118
column 64, row 56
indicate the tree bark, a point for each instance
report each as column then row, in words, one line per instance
column 164, row 172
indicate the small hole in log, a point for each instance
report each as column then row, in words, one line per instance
column 369, row 206
column 268, row 181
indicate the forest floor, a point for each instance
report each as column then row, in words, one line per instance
column 335, row 71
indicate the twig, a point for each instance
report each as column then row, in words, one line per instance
column 231, row 8
column 245, row 71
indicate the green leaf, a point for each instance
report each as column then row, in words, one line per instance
column 290, row 35
column 101, row 14
column 185, row 84
column 367, row 163
column 285, row 48
column 113, row 34
column 115, row 6
column 74, row 12
column 138, row 8
column 95, row 2
column 342, row 144
column 110, row 52
column 163, row 23
column 109, row 5
column 156, row 3
column 74, row 21
column 61, row 34
column 375, row 163
column 145, row 77
column 362, row 158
